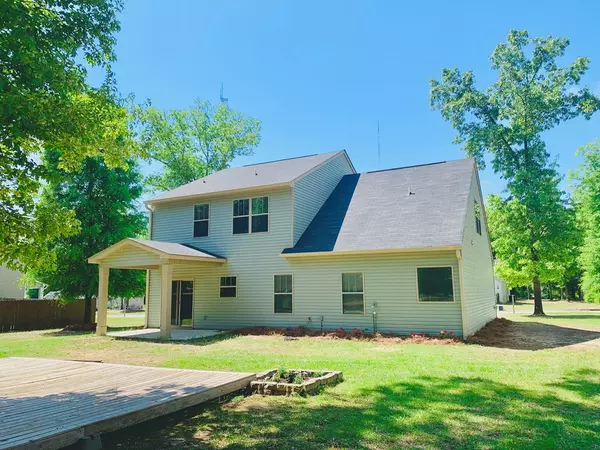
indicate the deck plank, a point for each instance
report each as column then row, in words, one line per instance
column 63, row 401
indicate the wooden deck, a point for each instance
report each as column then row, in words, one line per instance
column 46, row 403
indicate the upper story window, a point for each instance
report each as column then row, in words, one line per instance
column 251, row 215
column 201, row 214
column 477, row 217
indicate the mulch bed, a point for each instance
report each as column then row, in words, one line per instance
column 504, row 333
column 354, row 334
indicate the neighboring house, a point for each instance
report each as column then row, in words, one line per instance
column 502, row 291
column 308, row 241
column 9, row 286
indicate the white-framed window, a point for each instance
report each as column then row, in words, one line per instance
column 228, row 287
column 477, row 209
column 283, row 294
column 435, row 284
column 353, row 293
column 251, row 215
column 201, row 219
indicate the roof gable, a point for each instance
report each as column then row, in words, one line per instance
column 269, row 174
column 408, row 208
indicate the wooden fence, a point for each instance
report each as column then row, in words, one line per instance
column 23, row 315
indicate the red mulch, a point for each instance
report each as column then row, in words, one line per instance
column 354, row 334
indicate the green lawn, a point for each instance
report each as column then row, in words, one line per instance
column 526, row 306
column 586, row 320
column 394, row 395
column 116, row 319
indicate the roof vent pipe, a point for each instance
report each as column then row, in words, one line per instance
column 410, row 192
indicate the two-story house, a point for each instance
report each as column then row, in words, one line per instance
column 308, row 241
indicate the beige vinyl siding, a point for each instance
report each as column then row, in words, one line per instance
column 477, row 266
column 130, row 256
column 389, row 280
column 153, row 300
column 310, row 192
column 9, row 283
column 253, row 258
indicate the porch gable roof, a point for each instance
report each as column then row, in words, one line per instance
column 144, row 253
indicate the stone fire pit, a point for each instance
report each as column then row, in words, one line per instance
column 293, row 381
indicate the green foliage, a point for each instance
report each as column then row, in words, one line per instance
column 527, row 248
column 532, row 227
column 193, row 143
column 47, row 103
column 587, row 198
column 105, row 203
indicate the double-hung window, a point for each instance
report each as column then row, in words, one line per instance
column 353, row 293
column 228, row 287
column 283, row 292
column 251, row 215
column 477, row 217
column 434, row 284
column 201, row 214
column 241, row 216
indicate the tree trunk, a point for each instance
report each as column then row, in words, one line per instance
column 538, row 309
column 550, row 292
column 87, row 312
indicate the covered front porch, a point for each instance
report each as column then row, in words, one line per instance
column 146, row 255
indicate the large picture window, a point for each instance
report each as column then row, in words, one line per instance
column 283, row 292
column 228, row 287
column 201, row 215
column 251, row 215
column 435, row 284
column 353, row 293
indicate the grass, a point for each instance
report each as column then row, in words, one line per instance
column 393, row 396
column 586, row 320
column 526, row 306
column 116, row 319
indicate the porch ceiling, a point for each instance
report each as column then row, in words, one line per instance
column 143, row 254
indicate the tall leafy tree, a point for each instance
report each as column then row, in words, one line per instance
column 195, row 142
column 587, row 198
column 46, row 102
column 105, row 202
column 532, row 94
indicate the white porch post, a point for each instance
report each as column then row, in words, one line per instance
column 166, row 277
column 103, row 273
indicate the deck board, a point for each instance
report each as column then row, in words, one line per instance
column 48, row 404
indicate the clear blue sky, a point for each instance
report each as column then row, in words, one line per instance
column 319, row 74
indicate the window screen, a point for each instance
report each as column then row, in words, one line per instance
column 228, row 287
column 435, row 284
column 353, row 296
column 283, row 293
column 201, row 214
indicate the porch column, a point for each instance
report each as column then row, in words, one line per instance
column 103, row 273
column 166, row 278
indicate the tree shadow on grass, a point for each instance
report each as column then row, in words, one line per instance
column 505, row 333
column 428, row 412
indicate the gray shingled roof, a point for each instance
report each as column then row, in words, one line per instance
column 374, row 210
column 174, row 249
column 255, row 175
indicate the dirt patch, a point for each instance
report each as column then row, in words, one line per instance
column 445, row 338
column 504, row 333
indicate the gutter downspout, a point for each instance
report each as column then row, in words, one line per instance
column 463, row 306
column 150, row 210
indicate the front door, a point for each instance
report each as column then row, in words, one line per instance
column 182, row 297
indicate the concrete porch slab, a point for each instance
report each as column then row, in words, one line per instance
column 177, row 334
